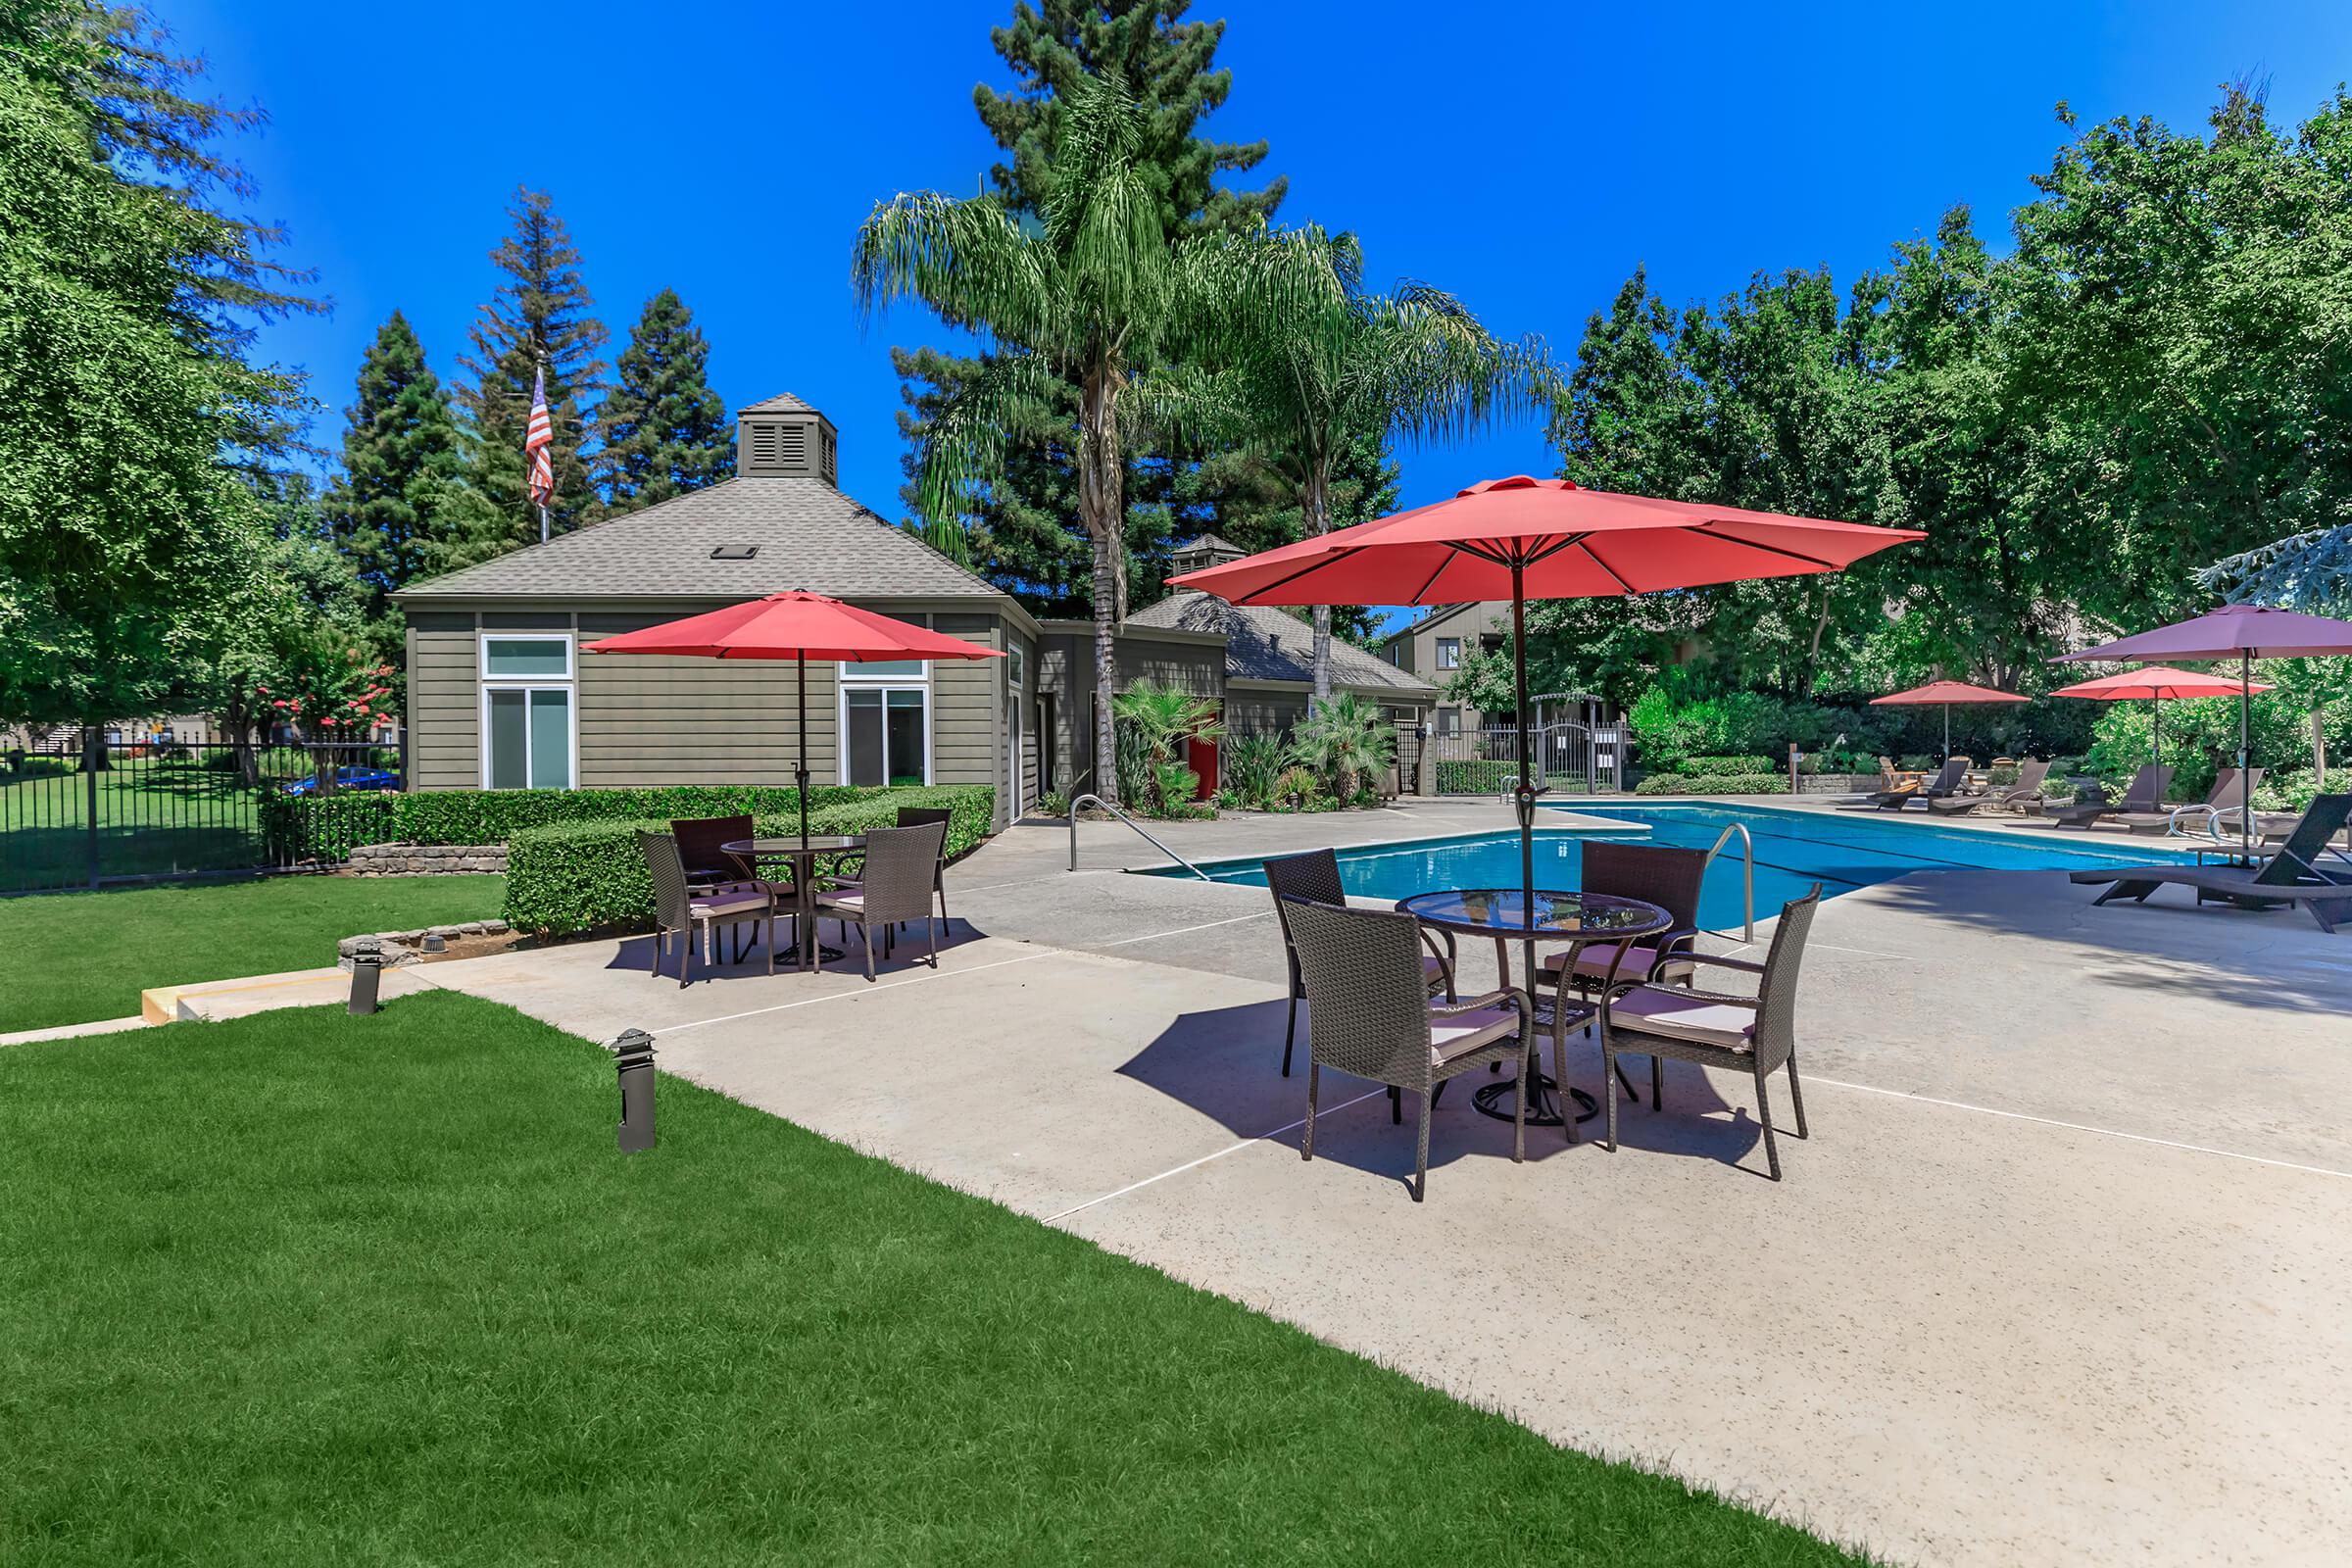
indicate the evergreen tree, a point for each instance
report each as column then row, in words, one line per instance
column 1024, row 534
column 392, row 513
column 539, row 319
column 666, row 432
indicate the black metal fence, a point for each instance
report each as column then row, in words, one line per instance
column 83, row 809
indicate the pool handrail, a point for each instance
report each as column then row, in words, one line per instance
column 1097, row 799
column 1748, row 887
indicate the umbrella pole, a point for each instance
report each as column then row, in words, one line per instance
column 1525, row 798
column 2246, row 748
column 799, row 771
column 1947, row 732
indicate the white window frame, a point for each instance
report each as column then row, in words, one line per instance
column 853, row 679
column 568, row 683
column 1442, row 662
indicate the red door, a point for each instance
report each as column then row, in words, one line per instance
column 1201, row 758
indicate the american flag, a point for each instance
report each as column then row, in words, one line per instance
column 538, row 443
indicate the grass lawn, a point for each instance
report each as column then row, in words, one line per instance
column 153, row 817
column 306, row 1288
column 71, row 957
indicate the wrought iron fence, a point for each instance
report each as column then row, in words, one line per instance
column 1571, row 760
column 85, row 809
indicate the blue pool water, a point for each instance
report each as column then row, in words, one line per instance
column 1793, row 850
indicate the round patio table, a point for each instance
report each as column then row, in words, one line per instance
column 803, row 857
column 1557, row 915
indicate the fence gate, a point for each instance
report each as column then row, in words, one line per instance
column 1570, row 758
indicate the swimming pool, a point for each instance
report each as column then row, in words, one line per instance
column 1794, row 849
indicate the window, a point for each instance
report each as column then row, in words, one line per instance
column 1450, row 653
column 1016, row 667
column 886, row 726
column 1449, row 721
column 527, row 731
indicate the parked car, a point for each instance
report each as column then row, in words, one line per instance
column 346, row 778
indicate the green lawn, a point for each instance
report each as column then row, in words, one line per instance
column 306, row 1288
column 153, row 817
column 71, row 957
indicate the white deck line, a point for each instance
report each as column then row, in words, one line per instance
column 1194, row 1164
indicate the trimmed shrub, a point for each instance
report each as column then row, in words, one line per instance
column 1713, row 784
column 1725, row 765
column 1472, row 777
column 327, row 827
column 576, row 876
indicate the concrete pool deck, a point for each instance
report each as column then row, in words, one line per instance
column 2064, row 1274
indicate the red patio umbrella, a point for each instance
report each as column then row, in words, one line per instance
column 1947, row 695
column 1522, row 538
column 2158, row 684
column 2246, row 632
column 800, row 626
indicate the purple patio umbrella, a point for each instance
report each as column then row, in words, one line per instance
column 2245, row 632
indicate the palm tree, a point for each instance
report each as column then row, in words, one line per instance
column 1345, row 738
column 1095, row 291
column 1316, row 361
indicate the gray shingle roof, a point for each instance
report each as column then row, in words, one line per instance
column 781, row 402
column 1264, row 643
column 1208, row 541
column 809, row 536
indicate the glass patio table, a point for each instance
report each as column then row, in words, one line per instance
column 803, row 857
column 1557, row 915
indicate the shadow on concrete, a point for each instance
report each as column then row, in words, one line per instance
column 896, row 953
column 2270, row 959
column 1225, row 1063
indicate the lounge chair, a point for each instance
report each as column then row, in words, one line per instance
column 2091, row 802
column 1953, row 778
column 1889, row 800
column 1368, row 1013
column 2225, row 792
column 1716, row 1029
column 1315, row 875
column 1910, row 787
column 2023, row 795
column 2297, row 874
column 901, row 870
column 691, row 914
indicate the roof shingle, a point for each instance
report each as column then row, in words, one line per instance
column 810, row 535
column 1264, row 643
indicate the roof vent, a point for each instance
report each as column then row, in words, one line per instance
column 785, row 438
column 735, row 552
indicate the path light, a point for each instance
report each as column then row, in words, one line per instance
column 366, row 974
column 633, row 1058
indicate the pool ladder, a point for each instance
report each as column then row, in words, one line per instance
column 1097, row 799
column 1746, row 844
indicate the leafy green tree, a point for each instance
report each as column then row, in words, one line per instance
column 539, row 318
column 1302, row 386
column 1022, row 530
column 1084, row 299
column 396, row 508
column 123, row 379
column 665, row 431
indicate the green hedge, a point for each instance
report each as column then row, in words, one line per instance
column 589, row 876
column 1713, row 784
column 1724, row 764
column 1474, row 777
column 327, row 827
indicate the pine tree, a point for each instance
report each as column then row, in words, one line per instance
column 666, row 432
column 538, row 320
column 1026, row 539
column 392, row 510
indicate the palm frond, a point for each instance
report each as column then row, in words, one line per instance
column 968, row 260
column 964, row 445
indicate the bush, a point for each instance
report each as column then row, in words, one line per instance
column 1474, row 777
column 1725, row 765
column 1247, row 768
column 327, row 827
column 1713, row 784
column 577, row 876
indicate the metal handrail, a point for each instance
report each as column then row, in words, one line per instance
column 1749, row 883
column 1131, row 823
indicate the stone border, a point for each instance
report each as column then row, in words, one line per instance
column 426, row 860
column 404, row 948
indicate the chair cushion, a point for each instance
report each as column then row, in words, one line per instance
column 745, row 902
column 846, row 899
column 1457, row 1034
column 1685, row 1015
column 1594, row 960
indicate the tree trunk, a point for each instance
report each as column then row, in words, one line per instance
column 1314, row 499
column 1103, row 508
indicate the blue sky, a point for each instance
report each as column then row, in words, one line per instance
column 1525, row 157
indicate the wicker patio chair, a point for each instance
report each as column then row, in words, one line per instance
column 678, row 908
column 909, row 817
column 901, row 870
column 699, row 839
column 1315, row 875
column 1369, row 1015
column 1670, row 878
column 1716, row 1029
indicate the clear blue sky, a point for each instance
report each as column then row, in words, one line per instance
column 1526, row 157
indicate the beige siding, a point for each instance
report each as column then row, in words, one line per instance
column 1249, row 712
column 444, row 703
column 1195, row 667
column 967, row 707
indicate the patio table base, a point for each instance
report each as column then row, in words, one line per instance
column 1501, row 1101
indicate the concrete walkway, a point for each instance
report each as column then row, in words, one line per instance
column 2064, row 1275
